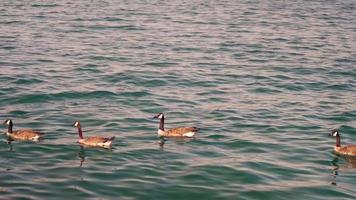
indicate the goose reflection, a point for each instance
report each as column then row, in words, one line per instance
column 349, row 162
column 81, row 155
column 334, row 170
column 162, row 140
column 341, row 163
column 9, row 143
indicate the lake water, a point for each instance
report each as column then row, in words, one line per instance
column 265, row 81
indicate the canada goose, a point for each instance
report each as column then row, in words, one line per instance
column 97, row 141
column 174, row 132
column 349, row 150
column 26, row 134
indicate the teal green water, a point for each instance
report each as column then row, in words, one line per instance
column 265, row 81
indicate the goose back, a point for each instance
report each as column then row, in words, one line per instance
column 97, row 141
column 349, row 150
column 181, row 132
column 26, row 134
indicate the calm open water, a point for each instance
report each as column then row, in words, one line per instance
column 264, row 80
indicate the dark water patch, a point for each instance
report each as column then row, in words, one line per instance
column 40, row 16
column 346, row 60
column 13, row 22
column 19, row 113
column 241, row 55
column 231, row 44
column 204, row 84
column 343, row 73
column 265, row 90
column 108, row 58
column 317, row 85
column 46, row 60
column 122, row 27
column 154, row 83
column 134, row 94
column 209, row 63
column 338, row 117
column 8, row 47
column 45, row 5
column 186, row 49
column 91, row 68
column 214, row 92
column 7, row 79
column 113, row 19
column 22, row 81
column 161, row 64
column 8, row 37
column 217, row 136
column 349, row 114
column 304, row 71
column 257, row 60
column 292, row 87
column 282, row 77
column 341, row 87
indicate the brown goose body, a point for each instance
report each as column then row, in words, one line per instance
column 25, row 134
column 174, row 132
column 179, row 132
column 349, row 150
column 97, row 141
column 94, row 141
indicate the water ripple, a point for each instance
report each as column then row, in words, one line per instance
column 264, row 81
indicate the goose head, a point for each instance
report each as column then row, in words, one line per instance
column 334, row 133
column 8, row 122
column 77, row 124
column 159, row 116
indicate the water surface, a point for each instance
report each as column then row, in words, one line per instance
column 264, row 80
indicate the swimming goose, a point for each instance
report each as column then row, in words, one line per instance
column 349, row 150
column 174, row 132
column 97, row 141
column 26, row 134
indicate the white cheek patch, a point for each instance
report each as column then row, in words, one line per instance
column 335, row 134
column 76, row 124
column 8, row 122
column 160, row 116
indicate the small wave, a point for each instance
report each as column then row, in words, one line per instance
column 41, row 98
column 44, row 5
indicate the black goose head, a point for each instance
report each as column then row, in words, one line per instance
column 334, row 133
column 8, row 122
column 159, row 116
column 77, row 124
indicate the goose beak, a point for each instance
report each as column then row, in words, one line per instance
column 155, row 117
